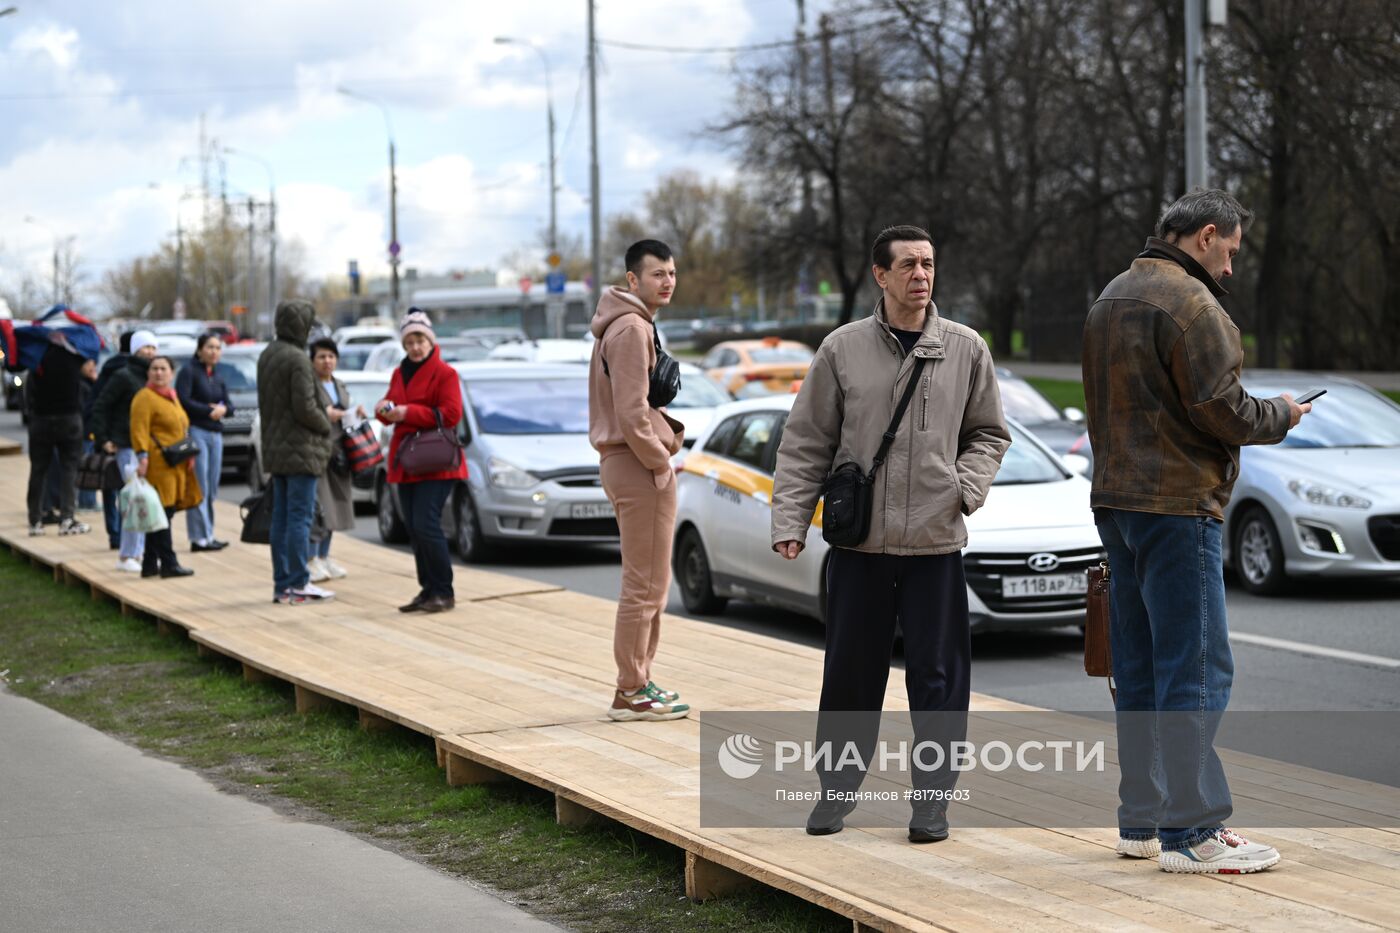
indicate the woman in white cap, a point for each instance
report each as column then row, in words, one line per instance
column 425, row 394
column 111, row 430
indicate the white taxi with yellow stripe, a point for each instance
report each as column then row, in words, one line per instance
column 1028, row 547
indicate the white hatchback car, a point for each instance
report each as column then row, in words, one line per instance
column 1028, row 547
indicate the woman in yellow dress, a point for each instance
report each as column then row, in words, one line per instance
column 157, row 422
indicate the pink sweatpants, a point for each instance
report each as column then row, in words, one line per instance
column 646, row 518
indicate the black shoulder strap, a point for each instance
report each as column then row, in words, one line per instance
column 655, row 341
column 898, row 415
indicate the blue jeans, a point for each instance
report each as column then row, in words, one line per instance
column 133, row 543
column 323, row 547
column 293, row 507
column 208, row 464
column 421, row 504
column 1173, row 667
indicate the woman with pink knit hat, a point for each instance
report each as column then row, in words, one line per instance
column 425, row 394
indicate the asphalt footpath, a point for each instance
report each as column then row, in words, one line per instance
column 95, row 835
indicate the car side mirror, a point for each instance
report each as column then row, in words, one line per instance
column 1075, row 415
column 1077, row 463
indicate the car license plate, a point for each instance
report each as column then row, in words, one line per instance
column 1050, row 584
column 592, row 510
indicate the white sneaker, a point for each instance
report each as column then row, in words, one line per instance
column 72, row 526
column 1223, row 853
column 336, row 571
column 312, row 591
column 317, row 570
column 36, row 530
column 1139, row 848
column 129, row 565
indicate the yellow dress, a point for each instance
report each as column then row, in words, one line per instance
column 158, row 422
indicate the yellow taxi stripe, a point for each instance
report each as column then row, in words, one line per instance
column 742, row 479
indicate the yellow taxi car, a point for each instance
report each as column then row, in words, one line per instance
column 745, row 367
column 1028, row 546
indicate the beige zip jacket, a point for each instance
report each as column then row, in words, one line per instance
column 945, row 453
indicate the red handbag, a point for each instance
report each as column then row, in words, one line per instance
column 431, row 450
column 361, row 447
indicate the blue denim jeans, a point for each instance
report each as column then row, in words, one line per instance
column 133, row 543
column 1173, row 667
column 208, row 464
column 322, row 548
column 421, row 504
column 293, row 507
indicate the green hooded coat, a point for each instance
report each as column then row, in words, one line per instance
column 296, row 434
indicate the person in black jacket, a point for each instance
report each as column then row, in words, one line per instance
column 111, row 429
column 110, row 517
column 205, row 398
column 55, row 434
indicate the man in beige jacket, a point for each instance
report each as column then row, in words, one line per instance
column 908, row 571
column 636, row 442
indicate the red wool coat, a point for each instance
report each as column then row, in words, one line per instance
column 435, row 386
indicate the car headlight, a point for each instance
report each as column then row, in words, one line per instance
column 508, row 475
column 1317, row 494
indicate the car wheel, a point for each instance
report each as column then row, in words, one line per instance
column 1258, row 553
column 391, row 527
column 255, row 474
column 471, row 544
column 693, row 574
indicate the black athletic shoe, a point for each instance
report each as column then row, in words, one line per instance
column 829, row 816
column 929, row 823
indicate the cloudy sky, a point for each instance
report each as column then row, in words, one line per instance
column 101, row 104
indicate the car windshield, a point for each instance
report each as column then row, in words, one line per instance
column 530, row 406
column 468, row 352
column 697, row 391
column 1021, row 401
column 1026, row 463
column 240, row 373
column 367, row 393
column 354, row 356
column 780, row 355
column 1347, row 416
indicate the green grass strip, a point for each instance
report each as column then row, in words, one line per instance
column 88, row 661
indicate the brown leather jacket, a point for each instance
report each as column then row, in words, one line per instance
column 1167, row 414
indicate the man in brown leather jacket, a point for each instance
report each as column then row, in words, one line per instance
column 1167, row 417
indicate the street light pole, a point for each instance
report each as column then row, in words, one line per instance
column 549, row 110
column 8, row 10
column 593, row 185
column 54, row 237
column 393, row 194
column 1197, row 173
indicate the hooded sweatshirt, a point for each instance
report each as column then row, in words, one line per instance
column 296, row 432
column 619, row 418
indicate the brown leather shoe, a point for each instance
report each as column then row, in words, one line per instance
column 437, row 604
column 416, row 605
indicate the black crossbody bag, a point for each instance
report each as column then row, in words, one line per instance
column 848, row 491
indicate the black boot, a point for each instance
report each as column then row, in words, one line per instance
column 829, row 816
column 929, row 822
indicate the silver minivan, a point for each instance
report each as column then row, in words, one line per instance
column 532, row 475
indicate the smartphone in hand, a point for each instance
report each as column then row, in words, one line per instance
column 1309, row 396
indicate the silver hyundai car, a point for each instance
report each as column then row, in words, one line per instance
column 532, row 475
column 1326, row 501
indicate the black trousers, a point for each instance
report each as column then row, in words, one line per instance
column 55, row 442
column 160, row 547
column 868, row 595
column 422, row 504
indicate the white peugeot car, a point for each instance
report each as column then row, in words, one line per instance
column 1028, row 546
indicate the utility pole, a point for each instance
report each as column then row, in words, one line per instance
column 252, row 259
column 1197, row 171
column 804, row 270
column 55, row 271
column 595, row 191
column 393, row 229
column 272, row 253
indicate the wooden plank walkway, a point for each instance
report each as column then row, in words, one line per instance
column 513, row 684
column 9, row 448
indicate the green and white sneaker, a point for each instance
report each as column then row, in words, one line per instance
column 665, row 696
column 644, row 706
column 1224, row 852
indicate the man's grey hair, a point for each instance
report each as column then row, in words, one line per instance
column 1192, row 211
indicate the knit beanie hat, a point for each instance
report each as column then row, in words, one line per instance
column 417, row 322
column 142, row 338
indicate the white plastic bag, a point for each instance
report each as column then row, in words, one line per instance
column 140, row 508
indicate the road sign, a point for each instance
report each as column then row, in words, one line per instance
column 525, row 283
column 395, row 249
column 554, row 260
column 823, row 288
column 554, row 281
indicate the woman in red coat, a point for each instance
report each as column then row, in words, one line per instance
column 424, row 384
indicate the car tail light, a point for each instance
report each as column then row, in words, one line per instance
column 755, row 377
